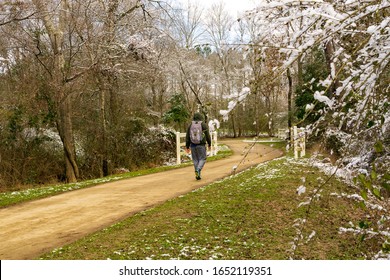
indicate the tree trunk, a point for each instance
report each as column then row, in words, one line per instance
column 329, row 52
column 103, row 133
column 154, row 105
column 257, row 101
column 65, row 130
column 114, row 104
column 300, row 72
column 289, row 98
column 268, row 108
column 110, row 26
column 108, row 88
column 234, row 126
column 55, row 30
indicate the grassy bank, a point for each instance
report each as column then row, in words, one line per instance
column 252, row 215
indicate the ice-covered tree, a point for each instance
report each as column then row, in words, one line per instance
column 354, row 37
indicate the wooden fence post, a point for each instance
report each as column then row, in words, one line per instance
column 178, row 146
column 178, row 155
column 303, row 142
column 214, row 144
column 294, row 134
column 299, row 142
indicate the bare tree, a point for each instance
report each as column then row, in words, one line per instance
column 14, row 11
column 107, row 75
column 187, row 24
column 184, row 26
column 56, row 23
column 218, row 26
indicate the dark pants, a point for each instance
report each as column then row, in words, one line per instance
column 199, row 155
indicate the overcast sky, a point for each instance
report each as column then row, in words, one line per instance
column 233, row 6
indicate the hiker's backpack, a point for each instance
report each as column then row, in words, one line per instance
column 196, row 133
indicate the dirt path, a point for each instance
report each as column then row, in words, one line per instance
column 31, row 229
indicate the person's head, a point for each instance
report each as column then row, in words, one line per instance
column 197, row 116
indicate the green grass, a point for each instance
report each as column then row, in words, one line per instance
column 15, row 197
column 247, row 216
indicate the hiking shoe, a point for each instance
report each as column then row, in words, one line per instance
column 197, row 175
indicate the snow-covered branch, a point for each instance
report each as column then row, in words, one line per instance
column 236, row 99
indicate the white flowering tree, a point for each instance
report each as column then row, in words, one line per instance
column 355, row 38
column 355, row 94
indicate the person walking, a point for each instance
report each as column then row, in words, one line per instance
column 197, row 137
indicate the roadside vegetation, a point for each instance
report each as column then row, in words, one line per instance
column 282, row 209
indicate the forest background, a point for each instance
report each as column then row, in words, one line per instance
column 89, row 88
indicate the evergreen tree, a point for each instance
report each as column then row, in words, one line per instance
column 314, row 70
column 178, row 112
